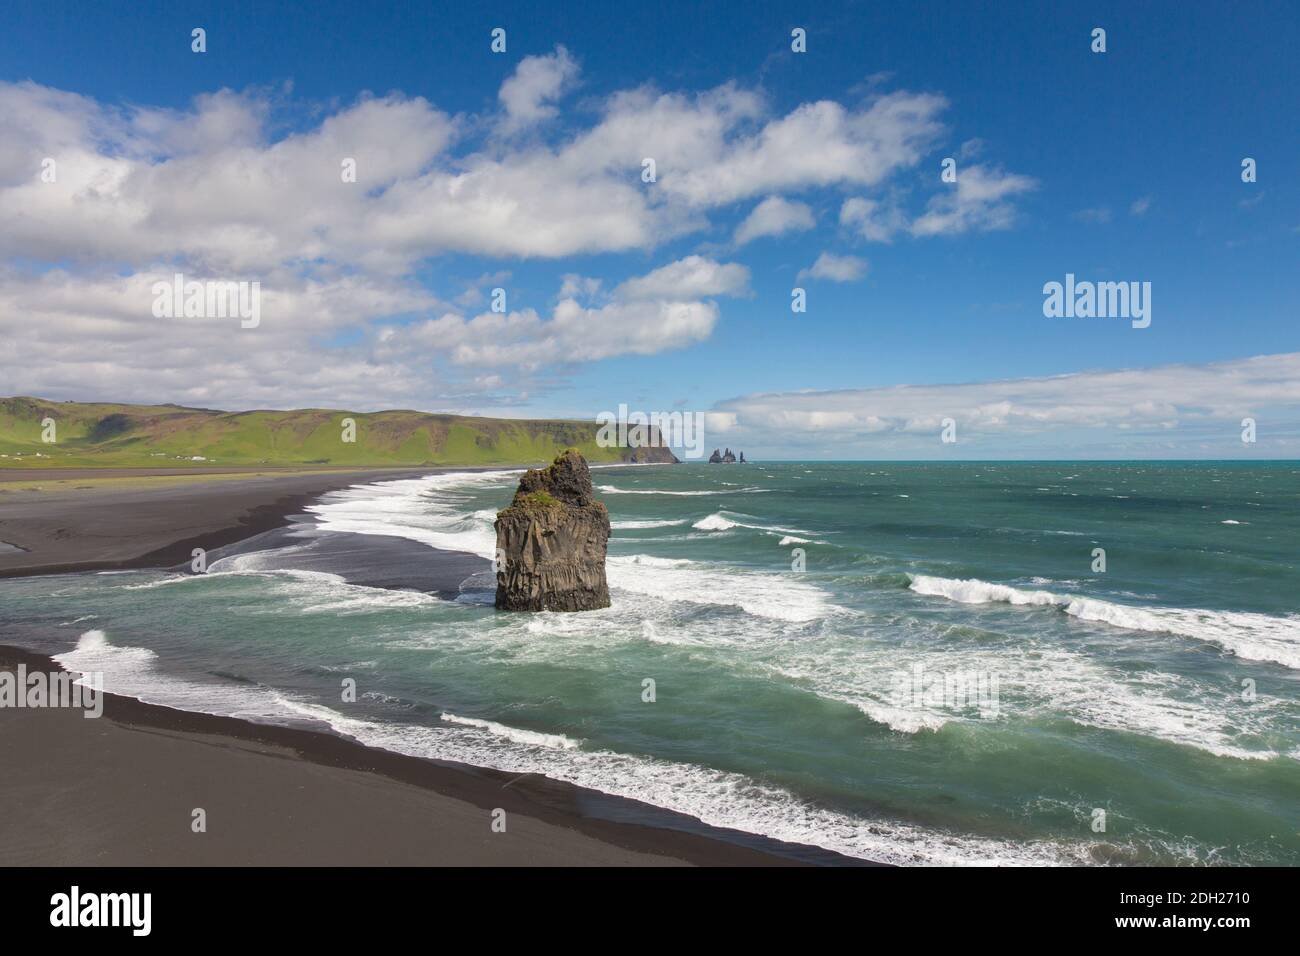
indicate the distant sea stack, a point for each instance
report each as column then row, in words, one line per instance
column 552, row 541
column 726, row 458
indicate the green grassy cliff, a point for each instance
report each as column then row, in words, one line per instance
column 172, row 436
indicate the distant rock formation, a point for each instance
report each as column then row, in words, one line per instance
column 742, row 458
column 551, row 541
column 726, row 458
column 655, row 452
column 651, row 455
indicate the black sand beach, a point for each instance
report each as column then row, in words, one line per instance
column 120, row 790
column 110, row 519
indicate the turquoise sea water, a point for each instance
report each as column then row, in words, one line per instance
column 947, row 679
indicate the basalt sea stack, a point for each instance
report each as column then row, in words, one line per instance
column 552, row 541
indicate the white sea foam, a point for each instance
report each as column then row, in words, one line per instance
column 1258, row 637
column 651, row 561
column 358, row 599
column 93, row 650
column 1253, row 636
column 1054, row 682
column 652, row 633
column 718, row 798
column 529, row 738
column 630, row 525
column 133, row 672
column 858, row 663
column 974, row 591
column 1036, row 680
column 429, row 510
column 1162, row 706
column 905, row 720
column 160, row 582
column 675, row 579
column 726, row 520
column 714, row 522
column 611, row 490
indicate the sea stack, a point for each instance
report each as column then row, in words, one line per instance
column 551, row 541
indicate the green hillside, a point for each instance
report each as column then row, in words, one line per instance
column 172, row 436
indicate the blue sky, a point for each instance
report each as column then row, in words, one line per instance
column 1119, row 166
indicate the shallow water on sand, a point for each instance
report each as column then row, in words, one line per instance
column 947, row 680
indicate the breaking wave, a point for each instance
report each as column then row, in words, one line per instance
column 1256, row 637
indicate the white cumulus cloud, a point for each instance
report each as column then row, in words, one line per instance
column 1183, row 403
column 836, row 268
column 528, row 95
column 689, row 278
column 255, row 185
column 774, row 216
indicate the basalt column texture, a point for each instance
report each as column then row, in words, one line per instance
column 551, row 541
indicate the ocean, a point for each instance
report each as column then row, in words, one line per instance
column 912, row 663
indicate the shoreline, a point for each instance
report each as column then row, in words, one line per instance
column 555, row 816
column 141, row 529
column 568, row 824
